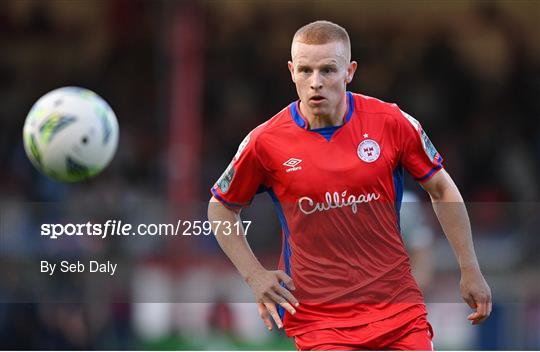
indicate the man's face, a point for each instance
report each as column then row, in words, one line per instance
column 321, row 73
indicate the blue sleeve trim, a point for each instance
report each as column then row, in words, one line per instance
column 430, row 173
column 224, row 202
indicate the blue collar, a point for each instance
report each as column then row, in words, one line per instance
column 302, row 123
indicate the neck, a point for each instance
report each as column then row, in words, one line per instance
column 319, row 121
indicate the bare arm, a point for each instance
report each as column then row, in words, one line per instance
column 264, row 284
column 235, row 247
column 452, row 214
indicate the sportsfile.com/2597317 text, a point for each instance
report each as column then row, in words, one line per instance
column 119, row 228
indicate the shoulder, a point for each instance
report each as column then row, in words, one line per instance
column 370, row 105
column 275, row 125
column 391, row 111
column 279, row 120
column 278, row 124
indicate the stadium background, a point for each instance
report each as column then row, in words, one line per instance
column 188, row 80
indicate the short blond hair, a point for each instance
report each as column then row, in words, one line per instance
column 323, row 32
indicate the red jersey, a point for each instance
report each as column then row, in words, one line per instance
column 337, row 196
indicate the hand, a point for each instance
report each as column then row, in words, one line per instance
column 268, row 291
column 267, row 310
column 476, row 292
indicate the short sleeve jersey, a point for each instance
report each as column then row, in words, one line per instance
column 338, row 199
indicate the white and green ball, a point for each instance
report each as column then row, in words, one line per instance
column 70, row 134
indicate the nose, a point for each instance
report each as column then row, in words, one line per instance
column 316, row 81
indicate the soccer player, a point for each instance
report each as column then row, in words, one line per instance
column 333, row 164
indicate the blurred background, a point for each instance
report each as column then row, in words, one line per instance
column 188, row 80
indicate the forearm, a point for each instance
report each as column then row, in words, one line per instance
column 452, row 214
column 234, row 245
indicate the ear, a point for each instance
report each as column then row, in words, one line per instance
column 350, row 71
column 291, row 70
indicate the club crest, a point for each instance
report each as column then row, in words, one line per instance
column 368, row 150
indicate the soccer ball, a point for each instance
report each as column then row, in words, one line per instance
column 70, row 134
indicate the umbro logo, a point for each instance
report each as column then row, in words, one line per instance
column 292, row 164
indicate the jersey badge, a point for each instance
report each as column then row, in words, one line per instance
column 225, row 180
column 368, row 150
column 429, row 148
